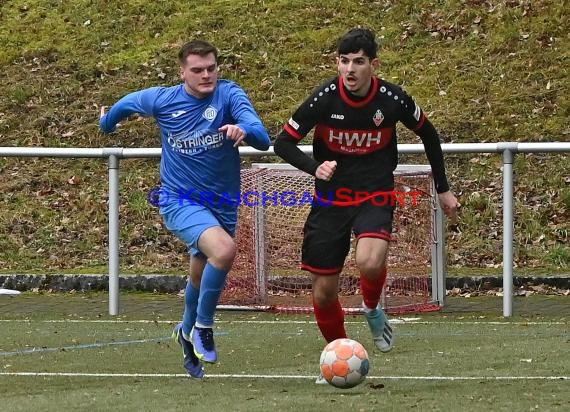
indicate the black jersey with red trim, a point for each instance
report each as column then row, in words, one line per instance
column 359, row 133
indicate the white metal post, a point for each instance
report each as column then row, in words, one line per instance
column 508, row 229
column 259, row 239
column 113, row 234
column 438, row 255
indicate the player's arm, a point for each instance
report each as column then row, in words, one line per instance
column 297, row 127
column 141, row 102
column 286, row 147
column 249, row 126
column 430, row 139
column 416, row 120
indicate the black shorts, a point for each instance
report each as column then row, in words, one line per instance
column 328, row 230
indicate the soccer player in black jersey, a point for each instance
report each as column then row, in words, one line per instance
column 354, row 116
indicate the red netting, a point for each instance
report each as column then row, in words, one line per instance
column 266, row 272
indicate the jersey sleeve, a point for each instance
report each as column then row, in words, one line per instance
column 297, row 127
column 141, row 102
column 414, row 118
column 307, row 115
column 247, row 118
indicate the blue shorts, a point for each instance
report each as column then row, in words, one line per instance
column 189, row 221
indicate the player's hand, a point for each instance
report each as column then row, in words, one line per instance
column 103, row 112
column 449, row 205
column 233, row 132
column 326, row 170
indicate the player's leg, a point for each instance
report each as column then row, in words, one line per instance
column 326, row 243
column 192, row 292
column 372, row 280
column 197, row 226
column 327, row 308
column 220, row 248
column 175, row 221
column 190, row 361
column 373, row 227
column 182, row 331
column 370, row 256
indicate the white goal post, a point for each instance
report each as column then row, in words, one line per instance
column 436, row 221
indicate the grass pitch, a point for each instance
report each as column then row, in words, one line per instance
column 63, row 351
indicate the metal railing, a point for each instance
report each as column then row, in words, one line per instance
column 113, row 156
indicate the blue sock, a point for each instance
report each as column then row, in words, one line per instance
column 190, row 305
column 211, row 287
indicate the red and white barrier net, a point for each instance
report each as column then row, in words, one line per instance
column 266, row 272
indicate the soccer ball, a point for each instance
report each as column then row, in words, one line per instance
column 344, row 363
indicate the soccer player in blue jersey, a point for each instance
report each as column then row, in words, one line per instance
column 354, row 116
column 202, row 122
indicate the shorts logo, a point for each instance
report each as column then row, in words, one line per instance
column 210, row 113
column 378, row 117
column 337, row 116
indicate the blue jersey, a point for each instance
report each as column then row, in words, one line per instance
column 197, row 159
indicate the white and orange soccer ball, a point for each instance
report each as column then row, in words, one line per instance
column 344, row 363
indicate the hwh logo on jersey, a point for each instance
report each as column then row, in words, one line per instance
column 355, row 138
column 354, row 142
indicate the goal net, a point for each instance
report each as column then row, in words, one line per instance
column 275, row 201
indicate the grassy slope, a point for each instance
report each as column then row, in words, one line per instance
column 485, row 71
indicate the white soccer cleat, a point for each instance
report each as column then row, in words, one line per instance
column 321, row 380
column 382, row 332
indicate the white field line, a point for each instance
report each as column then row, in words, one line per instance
column 255, row 376
column 394, row 321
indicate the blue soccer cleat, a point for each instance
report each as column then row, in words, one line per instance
column 381, row 329
column 191, row 363
column 203, row 341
